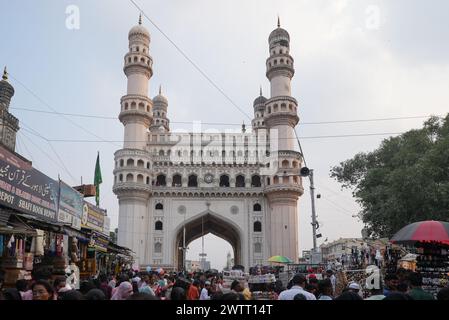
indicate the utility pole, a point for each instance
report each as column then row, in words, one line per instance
column 314, row 223
column 306, row 172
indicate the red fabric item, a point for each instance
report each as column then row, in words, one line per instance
column 193, row 293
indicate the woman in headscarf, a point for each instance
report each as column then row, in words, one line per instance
column 124, row 290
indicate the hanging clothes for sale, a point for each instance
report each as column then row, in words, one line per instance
column 11, row 246
column 1, row 245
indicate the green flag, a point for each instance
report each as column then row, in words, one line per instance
column 97, row 180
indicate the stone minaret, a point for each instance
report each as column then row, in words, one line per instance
column 132, row 163
column 160, row 121
column 9, row 125
column 259, row 112
column 283, row 185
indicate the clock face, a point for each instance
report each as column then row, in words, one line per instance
column 208, row 178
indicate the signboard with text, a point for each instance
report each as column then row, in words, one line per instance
column 26, row 189
column 70, row 206
column 106, row 226
column 93, row 217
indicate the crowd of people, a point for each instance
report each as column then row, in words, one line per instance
column 134, row 285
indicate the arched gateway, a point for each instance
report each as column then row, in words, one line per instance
column 242, row 187
column 203, row 224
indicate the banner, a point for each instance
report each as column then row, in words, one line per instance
column 99, row 243
column 93, row 217
column 107, row 226
column 70, row 206
column 26, row 189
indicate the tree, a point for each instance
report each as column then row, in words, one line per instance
column 405, row 180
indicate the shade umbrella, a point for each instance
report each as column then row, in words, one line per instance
column 280, row 259
column 423, row 231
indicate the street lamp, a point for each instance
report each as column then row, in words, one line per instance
column 306, row 172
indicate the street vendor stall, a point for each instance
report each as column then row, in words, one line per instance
column 429, row 240
column 262, row 286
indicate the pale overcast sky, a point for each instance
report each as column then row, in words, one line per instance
column 354, row 59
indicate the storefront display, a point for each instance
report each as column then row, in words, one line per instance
column 433, row 264
column 262, row 286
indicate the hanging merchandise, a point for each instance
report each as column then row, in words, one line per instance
column 10, row 242
column 65, row 246
column 11, row 246
column 59, row 245
column 52, row 240
column 37, row 244
column 1, row 245
column 433, row 264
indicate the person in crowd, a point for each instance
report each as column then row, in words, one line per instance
column 391, row 284
column 86, row 286
column 236, row 287
column 349, row 295
column 205, row 291
column 220, row 287
column 72, row 295
column 12, row 294
column 443, row 294
column 230, row 296
column 312, row 289
column 330, row 275
column 376, row 294
column 299, row 296
column 112, row 283
column 246, row 292
column 298, row 284
column 278, row 287
column 417, row 292
column 142, row 296
column 59, row 283
column 178, row 293
column 193, row 291
column 107, row 290
column 325, row 289
column 135, row 285
column 146, row 286
column 124, row 290
column 398, row 296
column 96, row 294
column 23, row 287
column 354, row 287
column 42, row 290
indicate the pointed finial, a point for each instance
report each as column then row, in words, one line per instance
column 243, row 127
column 279, row 22
column 160, row 89
column 140, row 18
column 5, row 74
column 260, row 90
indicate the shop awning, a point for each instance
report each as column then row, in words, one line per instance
column 14, row 225
column 75, row 233
column 4, row 217
column 16, row 230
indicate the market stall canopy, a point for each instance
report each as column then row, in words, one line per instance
column 280, row 259
column 409, row 257
column 424, row 231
